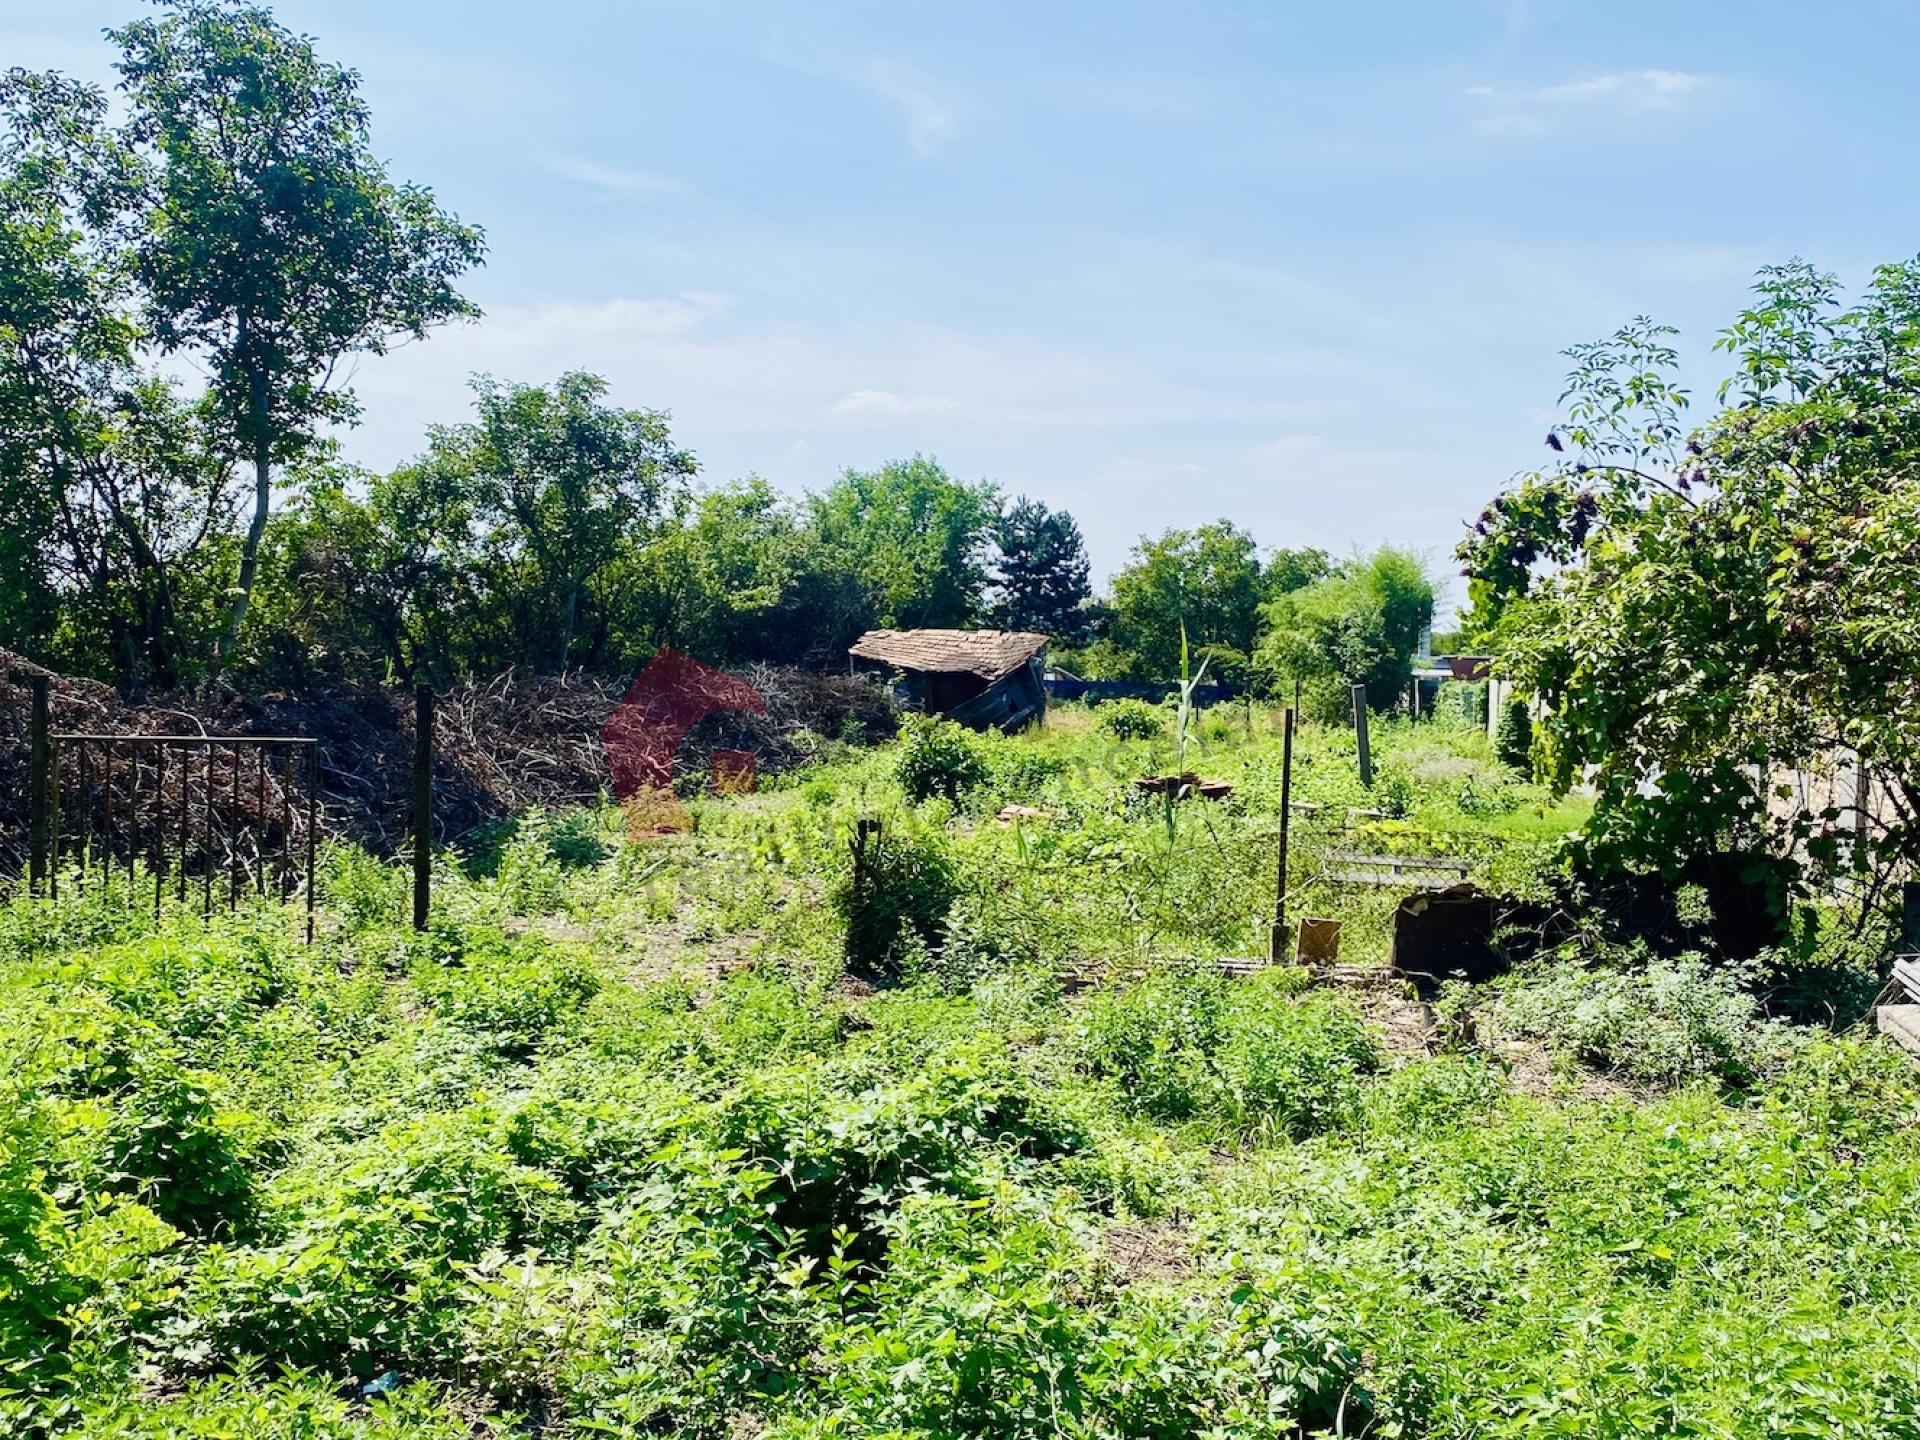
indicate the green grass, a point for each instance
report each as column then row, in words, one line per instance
column 618, row 1146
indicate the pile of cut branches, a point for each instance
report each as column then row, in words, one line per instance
column 501, row 745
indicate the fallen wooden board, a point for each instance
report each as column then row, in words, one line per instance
column 1906, row 971
column 1419, row 872
column 1900, row 1024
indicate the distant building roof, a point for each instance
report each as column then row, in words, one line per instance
column 986, row 653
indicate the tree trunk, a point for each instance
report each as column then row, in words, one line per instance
column 566, row 629
column 256, row 528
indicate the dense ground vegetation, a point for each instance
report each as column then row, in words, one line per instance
column 731, row 1133
column 627, row 1143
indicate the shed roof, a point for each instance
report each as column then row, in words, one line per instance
column 986, row 653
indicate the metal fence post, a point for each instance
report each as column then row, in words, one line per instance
column 1277, row 944
column 313, row 827
column 1360, row 734
column 422, row 804
column 37, row 787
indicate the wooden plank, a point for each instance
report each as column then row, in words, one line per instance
column 1408, row 862
column 1416, row 872
column 1401, row 882
column 1906, row 971
column 1319, row 941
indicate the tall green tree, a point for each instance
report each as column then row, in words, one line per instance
column 917, row 538
column 265, row 237
column 1287, row 570
column 374, row 577
column 234, row 218
column 115, row 485
column 1206, row 581
column 1699, row 606
column 1359, row 625
column 1040, row 573
column 562, row 486
column 737, row 575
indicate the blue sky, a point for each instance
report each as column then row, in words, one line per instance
column 1305, row 266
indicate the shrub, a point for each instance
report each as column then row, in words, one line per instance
column 937, row 757
column 697, row 1311
column 1131, row 720
column 1155, row 1039
column 1513, row 740
column 1662, row 1024
column 985, row 1298
column 507, row 992
column 370, row 1240
column 139, row 1122
column 1019, row 772
column 1255, row 1056
column 1462, row 700
column 1291, row 1062
column 578, row 840
column 895, row 906
column 838, row 1159
column 984, row 1324
column 1429, row 1097
column 251, row 1406
column 1394, row 793
column 1484, row 798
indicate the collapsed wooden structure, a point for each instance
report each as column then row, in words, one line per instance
column 980, row 678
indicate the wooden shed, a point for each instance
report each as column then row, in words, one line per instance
column 980, row 678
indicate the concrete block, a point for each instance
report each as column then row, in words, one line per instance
column 1901, row 1024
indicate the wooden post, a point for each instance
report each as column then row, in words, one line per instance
column 422, row 803
column 866, row 831
column 37, row 788
column 1360, row 734
column 1277, row 943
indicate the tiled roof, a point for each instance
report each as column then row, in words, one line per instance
column 986, row 653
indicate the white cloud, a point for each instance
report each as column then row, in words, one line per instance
column 885, row 402
column 1639, row 89
column 1523, row 112
column 930, row 121
column 612, row 177
column 725, row 374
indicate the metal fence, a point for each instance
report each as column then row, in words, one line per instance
column 209, row 816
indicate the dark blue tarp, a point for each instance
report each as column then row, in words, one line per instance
column 1094, row 691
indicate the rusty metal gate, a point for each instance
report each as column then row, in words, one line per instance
column 211, row 817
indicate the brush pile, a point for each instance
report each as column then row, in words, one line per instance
column 501, row 745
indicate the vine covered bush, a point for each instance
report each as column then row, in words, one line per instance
column 937, row 758
column 1131, row 720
